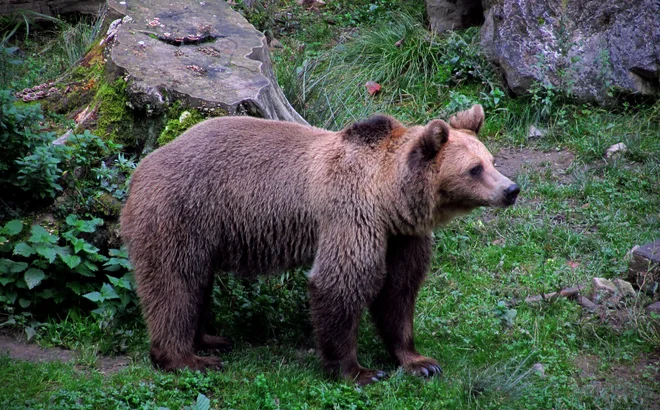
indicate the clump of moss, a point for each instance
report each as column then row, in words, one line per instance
column 115, row 118
column 177, row 124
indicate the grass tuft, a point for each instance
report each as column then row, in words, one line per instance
column 415, row 68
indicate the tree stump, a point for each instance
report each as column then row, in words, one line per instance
column 201, row 53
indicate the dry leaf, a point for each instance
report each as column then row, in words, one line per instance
column 372, row 87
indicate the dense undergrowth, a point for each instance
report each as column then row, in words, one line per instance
column 66, row 284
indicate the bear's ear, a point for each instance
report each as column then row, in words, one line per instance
column 471, row 119
column 427, row 146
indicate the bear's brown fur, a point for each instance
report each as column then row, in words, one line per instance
column 253, row 196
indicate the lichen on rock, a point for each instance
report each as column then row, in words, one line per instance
column 589, row 49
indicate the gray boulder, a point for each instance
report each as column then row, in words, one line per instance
column 199, row 52
column 585, row 47
column 447, row 15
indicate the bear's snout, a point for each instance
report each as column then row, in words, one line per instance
column 510, row 194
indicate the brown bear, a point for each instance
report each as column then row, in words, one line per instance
column 253, row 196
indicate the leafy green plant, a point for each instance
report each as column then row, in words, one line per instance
column 43, row 170
column 116, row 294
column 493, row 98
column 83, row 151
column 506, row 314
column 458, row 102
column 460, row 52
column 115, row 179
column 543, row 95
column 201, row 403
column 39, row 172
column 43, row 267
column 264, row 308
column 19, row 140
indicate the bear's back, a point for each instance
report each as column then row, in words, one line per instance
column 236, row 186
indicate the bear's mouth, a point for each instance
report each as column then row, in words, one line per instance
column 464, row 206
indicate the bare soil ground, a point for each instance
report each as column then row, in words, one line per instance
column 511, row 162
column 20, row 350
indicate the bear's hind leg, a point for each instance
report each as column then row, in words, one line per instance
column 204, row 341
column 408, row 259
column 172, row 304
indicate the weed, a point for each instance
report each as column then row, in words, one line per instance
column 28, row 160
column 35, row 270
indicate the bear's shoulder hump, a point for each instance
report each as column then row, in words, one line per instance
column 372, row 130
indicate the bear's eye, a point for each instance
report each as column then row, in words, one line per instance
column 476, row 171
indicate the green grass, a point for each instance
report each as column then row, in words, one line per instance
column 563, row 232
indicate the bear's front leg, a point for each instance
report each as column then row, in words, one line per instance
column 346, row 275
column 408, row 260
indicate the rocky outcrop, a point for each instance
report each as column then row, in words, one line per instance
column 447, row 15
column 201, row 53
column 588, row 48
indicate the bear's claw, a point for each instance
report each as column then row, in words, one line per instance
column 364, row 376
column 423, row 366
column 190, row 362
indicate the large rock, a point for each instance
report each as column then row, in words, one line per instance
column 447, row 15
column 199, row 52
column 585, row 47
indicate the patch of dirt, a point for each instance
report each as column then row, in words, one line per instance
column 639, row 381
column 511, row 162
column 19, row 350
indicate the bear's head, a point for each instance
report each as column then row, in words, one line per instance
column 456, row 168
column 437, row 171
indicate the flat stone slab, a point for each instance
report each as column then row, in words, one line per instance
column 201, row 52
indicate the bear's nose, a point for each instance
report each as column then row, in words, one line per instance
column 511, row 193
